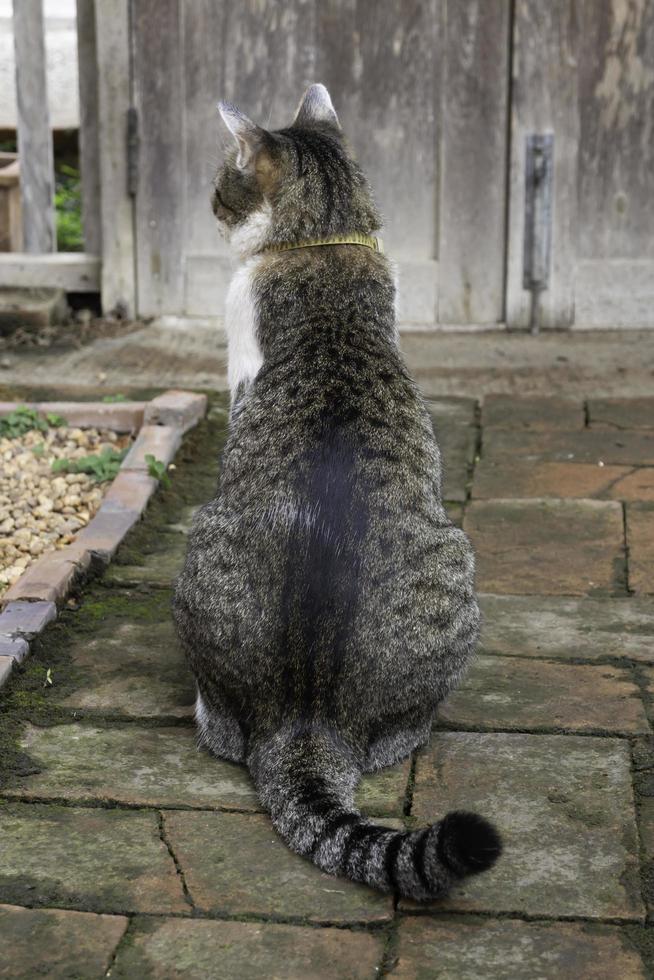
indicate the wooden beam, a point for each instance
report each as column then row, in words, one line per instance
column 88, row 125
column 76, row 272
column 116, row 205
column 34, row 135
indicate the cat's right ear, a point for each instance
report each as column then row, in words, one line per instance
column 248, row 136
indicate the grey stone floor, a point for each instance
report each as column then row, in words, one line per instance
column 125, row 852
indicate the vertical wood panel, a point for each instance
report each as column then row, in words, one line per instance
column 616, row 98
column 474, row 108
column 88, row 126
column 269, row 57
column 544, row 98
column 159, row 99
column 381, row 63
column 34, row 135
column 204, row 61
column 118, row 265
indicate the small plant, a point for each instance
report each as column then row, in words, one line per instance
column 24, row 419
column 111, row 399
column 68, row 205
column 157, row 470
column 101, row 466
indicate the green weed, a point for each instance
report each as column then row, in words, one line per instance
column 101, row 466
column 157, row 469
column 24, row 419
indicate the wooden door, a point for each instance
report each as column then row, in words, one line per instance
column 584, row 70
column 421, row 88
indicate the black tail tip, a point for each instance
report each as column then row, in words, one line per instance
column 467, row 843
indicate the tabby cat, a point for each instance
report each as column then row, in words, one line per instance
column 326, row 604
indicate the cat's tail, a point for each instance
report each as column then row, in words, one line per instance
column 306, row 780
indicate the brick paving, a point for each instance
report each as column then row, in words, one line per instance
column 125, row 852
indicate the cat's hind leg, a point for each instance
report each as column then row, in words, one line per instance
column 218, row 730
column 394, row 745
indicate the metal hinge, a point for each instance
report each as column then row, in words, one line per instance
column 132, row 151
column 538, row 219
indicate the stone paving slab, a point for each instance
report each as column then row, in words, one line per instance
column 90, row 859
column 127, row 658
column 160, row 567
column 457, row 447
column 568, row 628
column 531, row 414
column 454, row 425
column 525, row 478
column 621, row 413
column 564, row 805
column 547, row 547
column 159, row 767
column 640, row 542
column 163, row 949
column 56, row 944
column 512, row 694
column 448, row 412
column 504, row 950
column 236, row 864
column 625, row 448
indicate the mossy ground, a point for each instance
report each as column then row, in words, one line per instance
column 28, row 696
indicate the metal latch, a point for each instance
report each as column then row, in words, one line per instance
column 538, row 219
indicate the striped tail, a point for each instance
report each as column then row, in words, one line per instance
column 306, row 780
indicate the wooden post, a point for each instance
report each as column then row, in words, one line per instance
column 88, row 126
column 34, row 134
column 116, row 204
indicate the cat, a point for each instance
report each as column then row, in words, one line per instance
column 326, row 604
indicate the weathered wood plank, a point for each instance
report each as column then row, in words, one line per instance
column 544, row 98
column 616, row 103
column 614, row 293
column 88, row 125
column 382, row 65
column 204, row 82
column 158, row 45
column 34, row 134
column 474, row 107
column 76, row 272
column 269, row 55
column 11, row 220
column 116, row 206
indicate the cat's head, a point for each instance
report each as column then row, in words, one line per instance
column 293, row 184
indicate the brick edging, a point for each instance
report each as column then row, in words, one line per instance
column 31, row 603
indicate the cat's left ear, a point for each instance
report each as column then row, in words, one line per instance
column 249, row 137
column 316, row 107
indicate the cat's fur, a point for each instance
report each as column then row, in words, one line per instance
column 326, row 604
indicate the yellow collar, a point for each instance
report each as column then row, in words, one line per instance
column 354, row 238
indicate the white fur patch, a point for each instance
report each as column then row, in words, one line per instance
column 244, row 357
column 201, row 714
column 251, row 236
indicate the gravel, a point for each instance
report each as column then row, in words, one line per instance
column 42, row 510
